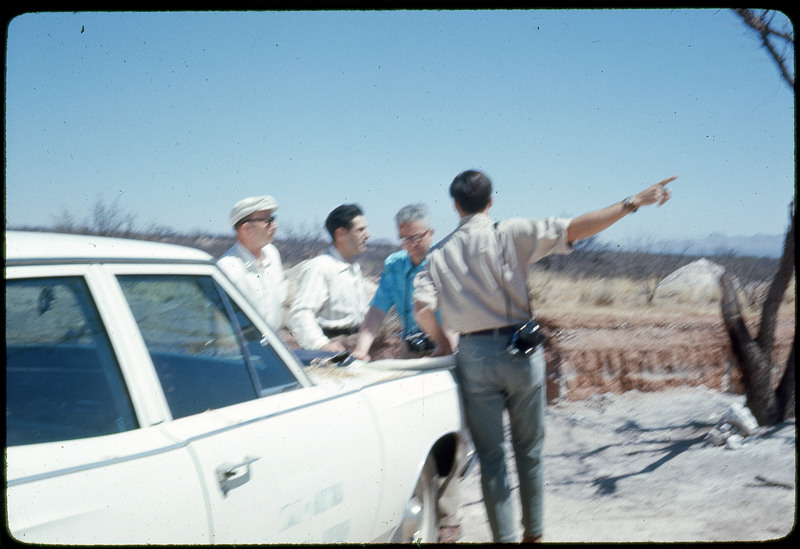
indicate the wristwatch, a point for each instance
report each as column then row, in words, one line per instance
column 629, row 205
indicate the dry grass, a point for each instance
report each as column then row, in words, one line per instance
column 556, row 292
column 567, row 294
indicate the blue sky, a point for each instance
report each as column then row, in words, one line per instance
column 175, row 116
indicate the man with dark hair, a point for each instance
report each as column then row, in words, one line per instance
column 342, row 217
column 330, row 300
column 476, row 278
column 471, row 190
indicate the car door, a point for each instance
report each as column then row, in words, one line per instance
column 285, row 461
column 84, row 464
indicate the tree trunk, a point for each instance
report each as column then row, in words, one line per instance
column 753, row 363
column 786, row 388
column 754, row 356
column 769, row 315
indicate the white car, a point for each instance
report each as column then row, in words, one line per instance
column 146, row 402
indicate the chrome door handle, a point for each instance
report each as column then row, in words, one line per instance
column 232, row 476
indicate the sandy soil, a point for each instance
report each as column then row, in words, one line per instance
column 637, row 467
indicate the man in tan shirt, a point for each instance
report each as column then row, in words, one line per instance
column 476, row 279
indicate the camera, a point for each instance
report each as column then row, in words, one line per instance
column 526, row 339
column 418, row 343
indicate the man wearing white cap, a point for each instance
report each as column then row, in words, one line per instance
column 254, row 263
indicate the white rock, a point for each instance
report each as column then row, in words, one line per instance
column 696, row 280
column 715, row 437
column 741, row 418
column 734, row 442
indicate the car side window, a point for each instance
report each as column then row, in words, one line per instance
column 63, row 381
column 272, row 374
column 203, row 355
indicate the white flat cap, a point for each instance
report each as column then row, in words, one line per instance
column 245, row 207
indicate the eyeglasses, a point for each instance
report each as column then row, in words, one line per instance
column 413, row 239
column 268, row 220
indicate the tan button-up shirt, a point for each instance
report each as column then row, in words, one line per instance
column 476, row 276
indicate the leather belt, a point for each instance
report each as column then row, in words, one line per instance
column 501, row 331
column 333, row 332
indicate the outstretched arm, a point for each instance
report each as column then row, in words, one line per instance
column 589, row 224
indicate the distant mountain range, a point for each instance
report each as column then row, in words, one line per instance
column 760, row 245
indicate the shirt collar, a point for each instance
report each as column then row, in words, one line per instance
column 406, row 258
column 246, row 255
column 478, row 219
column 346, row 265
column 333, row 252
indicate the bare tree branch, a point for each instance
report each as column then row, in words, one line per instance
column 762, row 23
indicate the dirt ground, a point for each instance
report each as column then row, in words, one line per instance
column 638, row 467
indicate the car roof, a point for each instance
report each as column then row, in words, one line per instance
column 41, row 246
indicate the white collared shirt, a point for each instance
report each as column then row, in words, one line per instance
column 330, row 295
column 264, row 284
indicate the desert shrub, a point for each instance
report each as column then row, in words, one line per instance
column 605, row 299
